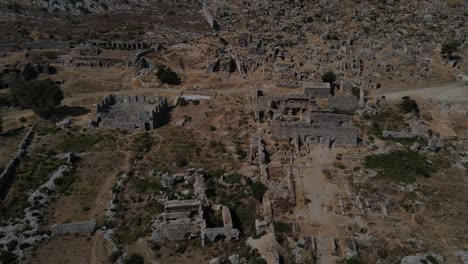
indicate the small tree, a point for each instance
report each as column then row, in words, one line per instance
column 42, row 96
column 258, row 190
column 409, row 105
column 182, row 101
column 167, row 75
column 450, row 47
column 329, row 77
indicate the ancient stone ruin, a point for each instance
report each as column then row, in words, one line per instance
column 299, row 120
column 131, row 112
column 183, row 219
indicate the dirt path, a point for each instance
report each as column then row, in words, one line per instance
column 452, row 91
column 315, row 193
column 161, row 91
column 102, row 201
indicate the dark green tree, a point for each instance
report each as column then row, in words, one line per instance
column 409, row 105
column 42, row 96
column 167, row 75
column 329, row 77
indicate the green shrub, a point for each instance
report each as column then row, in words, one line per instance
column 244, row 218
column 409, row 105
column 282, row 227
column 353, row 260
column 218, row 146
column 167, row 75
column 134, row 259
column 258, row 260
column 196, row 102
column 212, row 128
column 240, row 152
column 399, row 166
column 382, row 254
column 145, row 143
column 181, row 162
column 7, row 257
column 22, row 119
column 329, row 77
column 144, row 185
column 258, row 190
column 182, row 102
column 451, row 46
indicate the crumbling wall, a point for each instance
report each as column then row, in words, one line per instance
column 131, row 112
column 239, row 64
column 226, row 231
column 403, row 135
column 210, row 19
column 312, row 133
column 47, row 44
column 9, row 171
column 324, row 118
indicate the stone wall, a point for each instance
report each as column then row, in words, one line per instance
column 326, row 118
column 210, row 19
column 131, row 112
column 9, row 171
column 47, row 44
column 315, row 134
column 403, row 135
column 316, row 89
column 121, row 45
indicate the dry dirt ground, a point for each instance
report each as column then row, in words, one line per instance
column 449, row 91
column 90, row 194
column 8, row 147
column 73, row 250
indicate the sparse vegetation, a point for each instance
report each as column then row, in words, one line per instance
column 182, row 102
column 145, row 143
column 282, row 227
column 81, row 142
column 450, row 47
column 144, row 185
column 400, row 166
column 33, row 171
column 167, row 75
column 389, row 119
column 258, row 190
column 240, row 152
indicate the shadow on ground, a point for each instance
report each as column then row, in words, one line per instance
column 62, row 112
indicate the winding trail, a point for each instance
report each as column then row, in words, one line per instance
column 456, row 91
